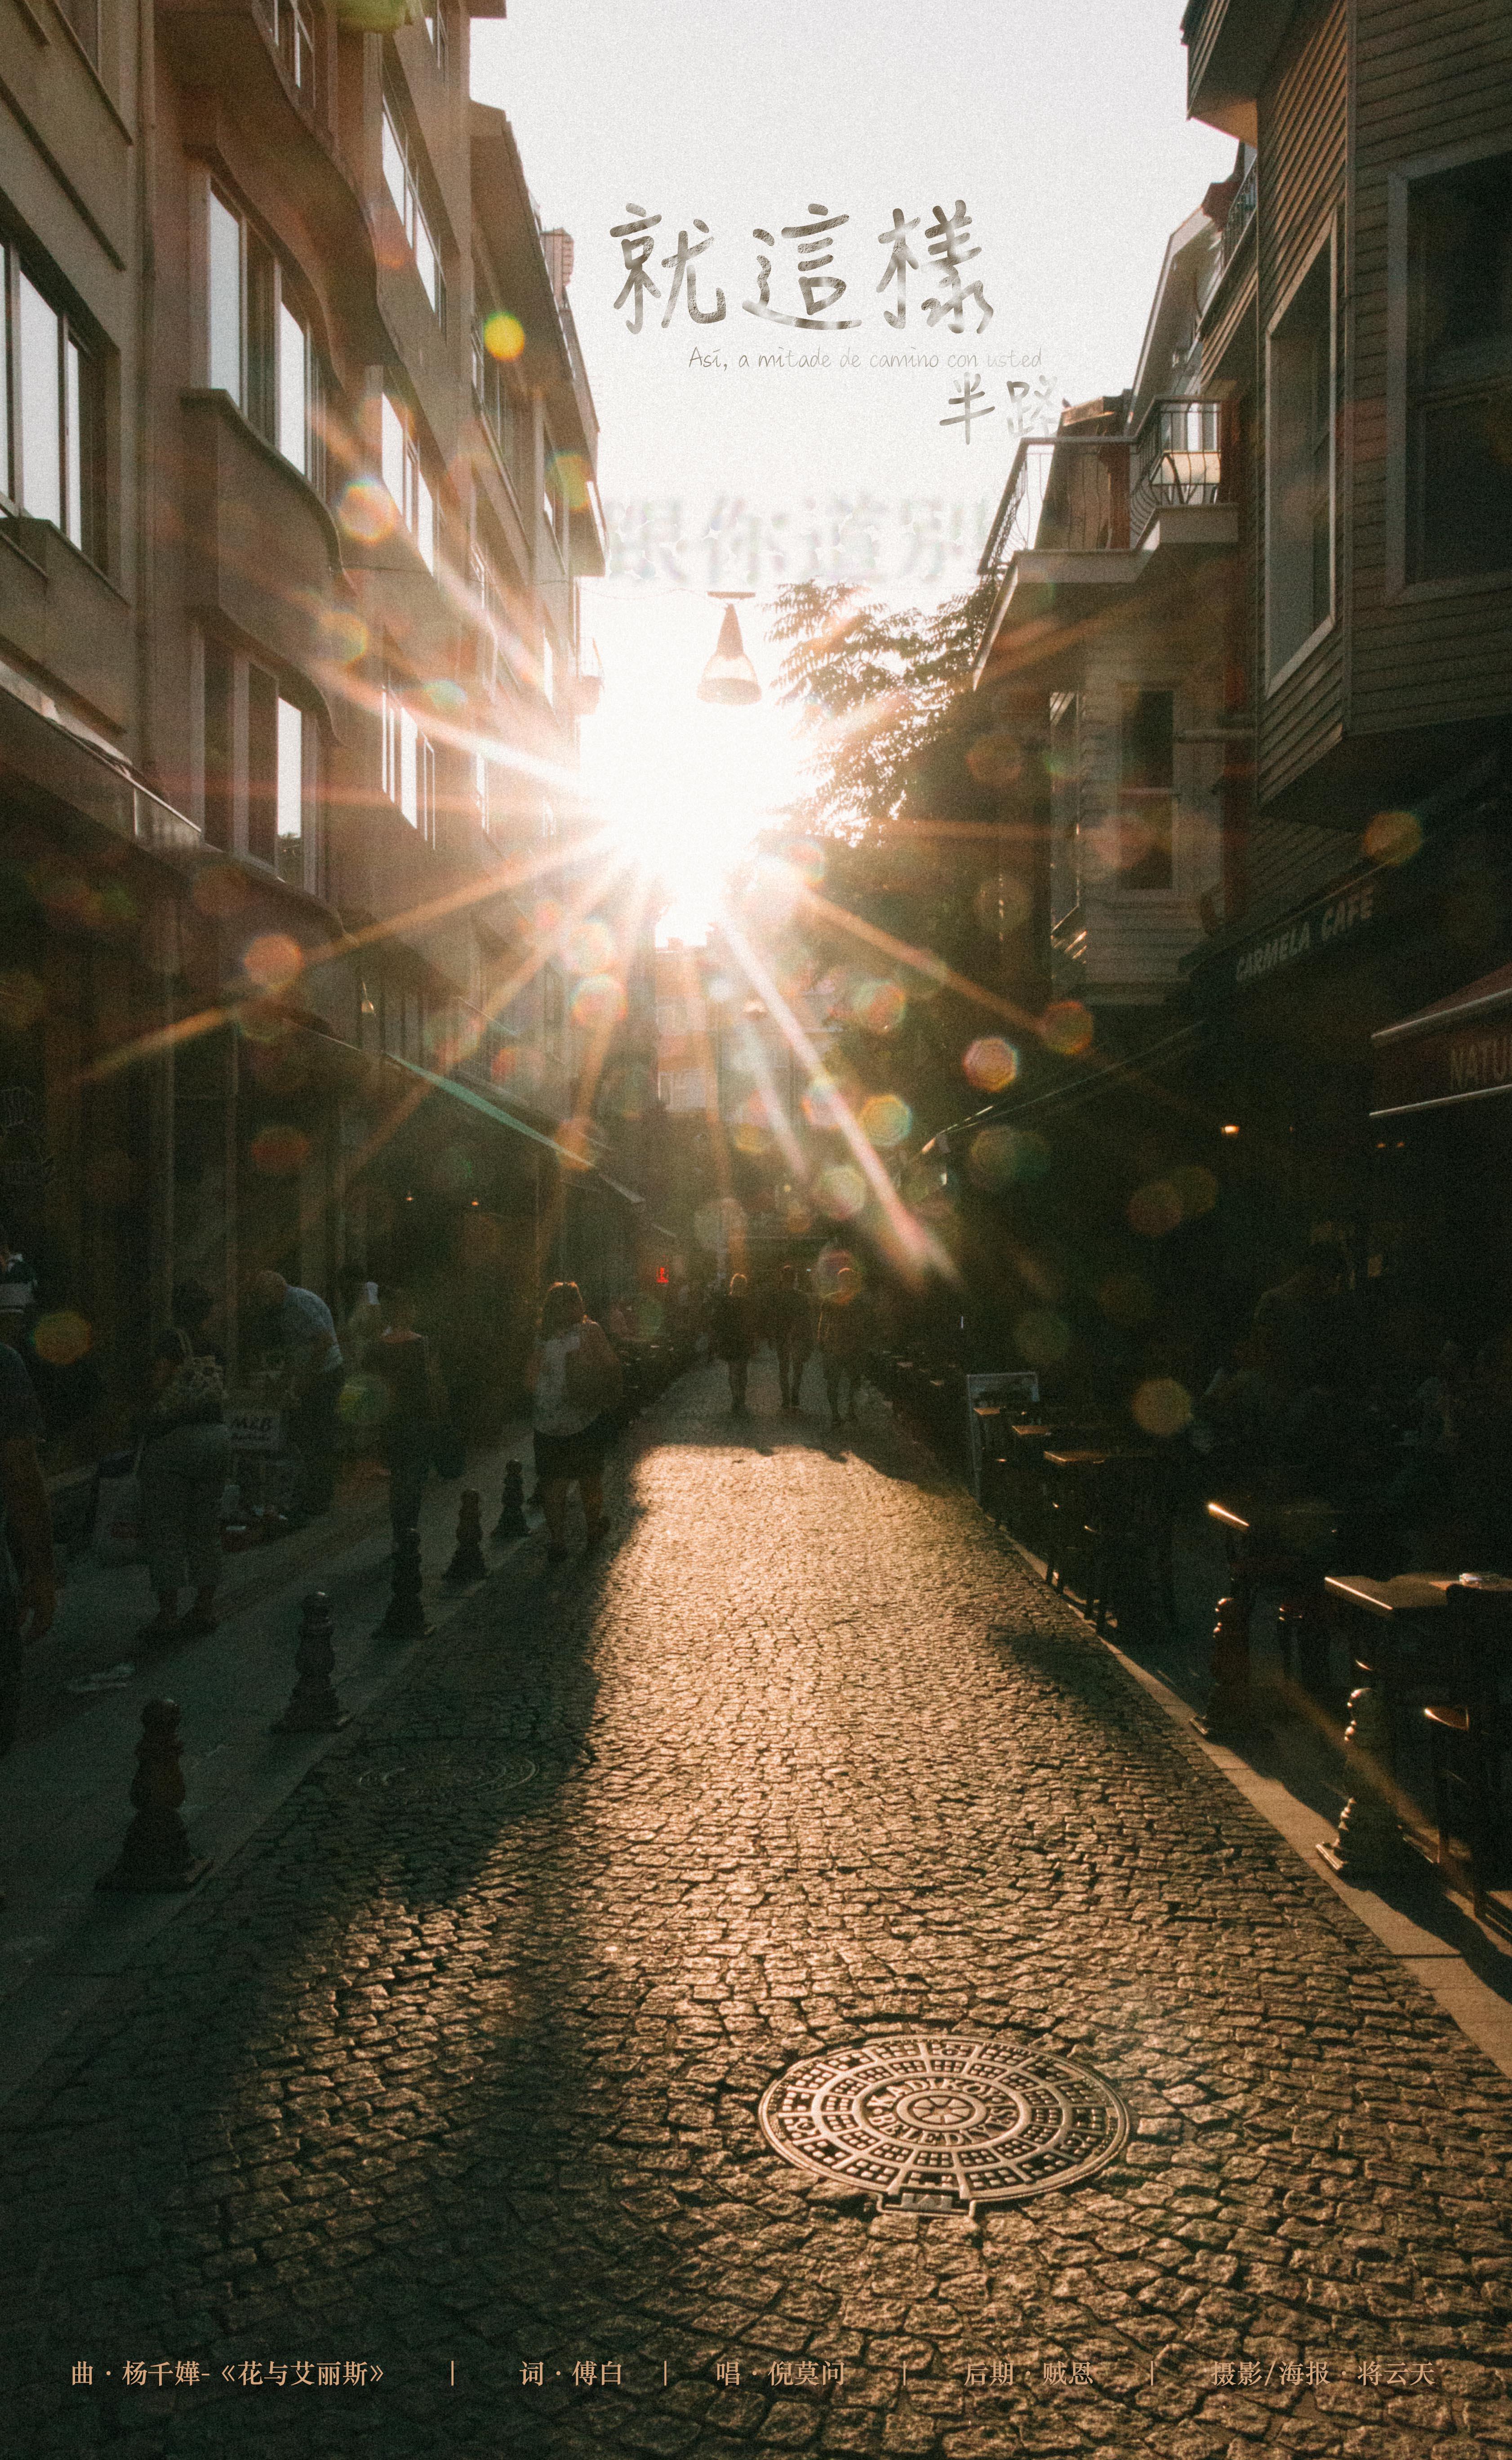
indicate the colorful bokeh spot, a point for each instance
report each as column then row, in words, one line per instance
column 1197, row 1189
column 1001, row 904
column 1043, row 1336
column 62, row 1338
column 344, row 636
column 829, row 1267
column 590, row 948
column 367, row 512
column 1067, row 1027
column 991, row 1064
column 279, row 1150
column 885, row 1121
column 841, row 1192
column 993, row 1158
column 1162, row 1407
column 503, row 335
column 599, row 1003
column 719, row 1223
column 995, row 759
column 1393, row 836
column 879, row 1006
column 273, row 960
column 1155, row 1209
column 447, row 698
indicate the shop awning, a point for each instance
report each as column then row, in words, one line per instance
column 478, row 1102
column 1459, row 1049
column 503, row 1118
column 1082, row 1080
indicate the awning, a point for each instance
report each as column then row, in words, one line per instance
column 1457, row 1049
column 478, row 1102
column 503, row 1118
column 1079, row 1086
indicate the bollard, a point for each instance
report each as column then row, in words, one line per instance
column 1230, row 1715
column 156, row 1858
column 405, row 1618
column 1368, row 1842
column 511, row 1522
column 467, row 1563
column 313, row 1707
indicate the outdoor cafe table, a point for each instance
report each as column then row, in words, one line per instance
column 1400, row 1662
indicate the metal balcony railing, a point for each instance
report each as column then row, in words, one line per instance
column 1241, row 213
column 1084, row 495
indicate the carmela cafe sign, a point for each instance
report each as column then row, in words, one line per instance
column 1335, row 919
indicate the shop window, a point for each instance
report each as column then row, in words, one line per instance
column 1145, row 854
column 52, row 424
column 1299, row 569
column 1460, row 371
column 402, row 181
column 404, row 476
column 259, row 347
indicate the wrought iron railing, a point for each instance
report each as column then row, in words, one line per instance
column 1085, row 494
column 1241, row 213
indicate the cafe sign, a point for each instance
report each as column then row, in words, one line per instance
column 1337, row 917
column 1457, row 1051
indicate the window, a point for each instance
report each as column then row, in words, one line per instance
column 406, row 480
column 1065, row 807
column 260, row 752
column 408, row 763
column 1300, row 577
column 1460, row 371
column 402, row 186
column 52, row 432
column 294, row 36
column 259, row 348
column 435, row 25
column 496, row 405
column 1145, row 854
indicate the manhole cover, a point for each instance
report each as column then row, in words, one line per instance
column 934, row 2121
column 440, row 1770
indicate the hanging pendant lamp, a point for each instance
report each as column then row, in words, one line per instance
column 729, row 679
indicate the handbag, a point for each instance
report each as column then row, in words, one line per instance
column 592, row 1375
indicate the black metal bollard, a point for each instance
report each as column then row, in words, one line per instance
column 511, row 1522
column 313, row 1707
column 467, row 1563
column 157, row 1858
column 405, row 1618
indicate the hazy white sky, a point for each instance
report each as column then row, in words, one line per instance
column 1063, row 129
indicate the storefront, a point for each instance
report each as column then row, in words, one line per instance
column 1442, row 1155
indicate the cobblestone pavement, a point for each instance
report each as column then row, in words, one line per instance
column 455, row 2070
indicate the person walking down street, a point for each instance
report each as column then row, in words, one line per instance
column 401, row 1357
column 845, row 1337
column 793, row 1335
column 185, row 1463
column 28, row 1580
column 576, row 1382
column 307, row 1330
column 734, row 1338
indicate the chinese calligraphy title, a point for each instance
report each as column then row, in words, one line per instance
column 947, row 242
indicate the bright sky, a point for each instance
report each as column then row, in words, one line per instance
column 1064, row 130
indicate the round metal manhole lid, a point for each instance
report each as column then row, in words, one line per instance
column 441, row 1771
column 937, row 2121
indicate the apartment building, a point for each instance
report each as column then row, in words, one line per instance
column 297, row 487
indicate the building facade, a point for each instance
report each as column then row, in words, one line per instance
column 297, row 487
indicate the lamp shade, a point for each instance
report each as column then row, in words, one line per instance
column 729, row 678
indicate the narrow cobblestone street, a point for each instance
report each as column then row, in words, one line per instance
column 453, row 2073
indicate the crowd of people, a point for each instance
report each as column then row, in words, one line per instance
column 840, row 1327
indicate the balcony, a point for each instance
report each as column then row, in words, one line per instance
column 1099, row 512
column 1098, row 495
column 1230, row 47
column 261, row 549
column 1240, row 215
